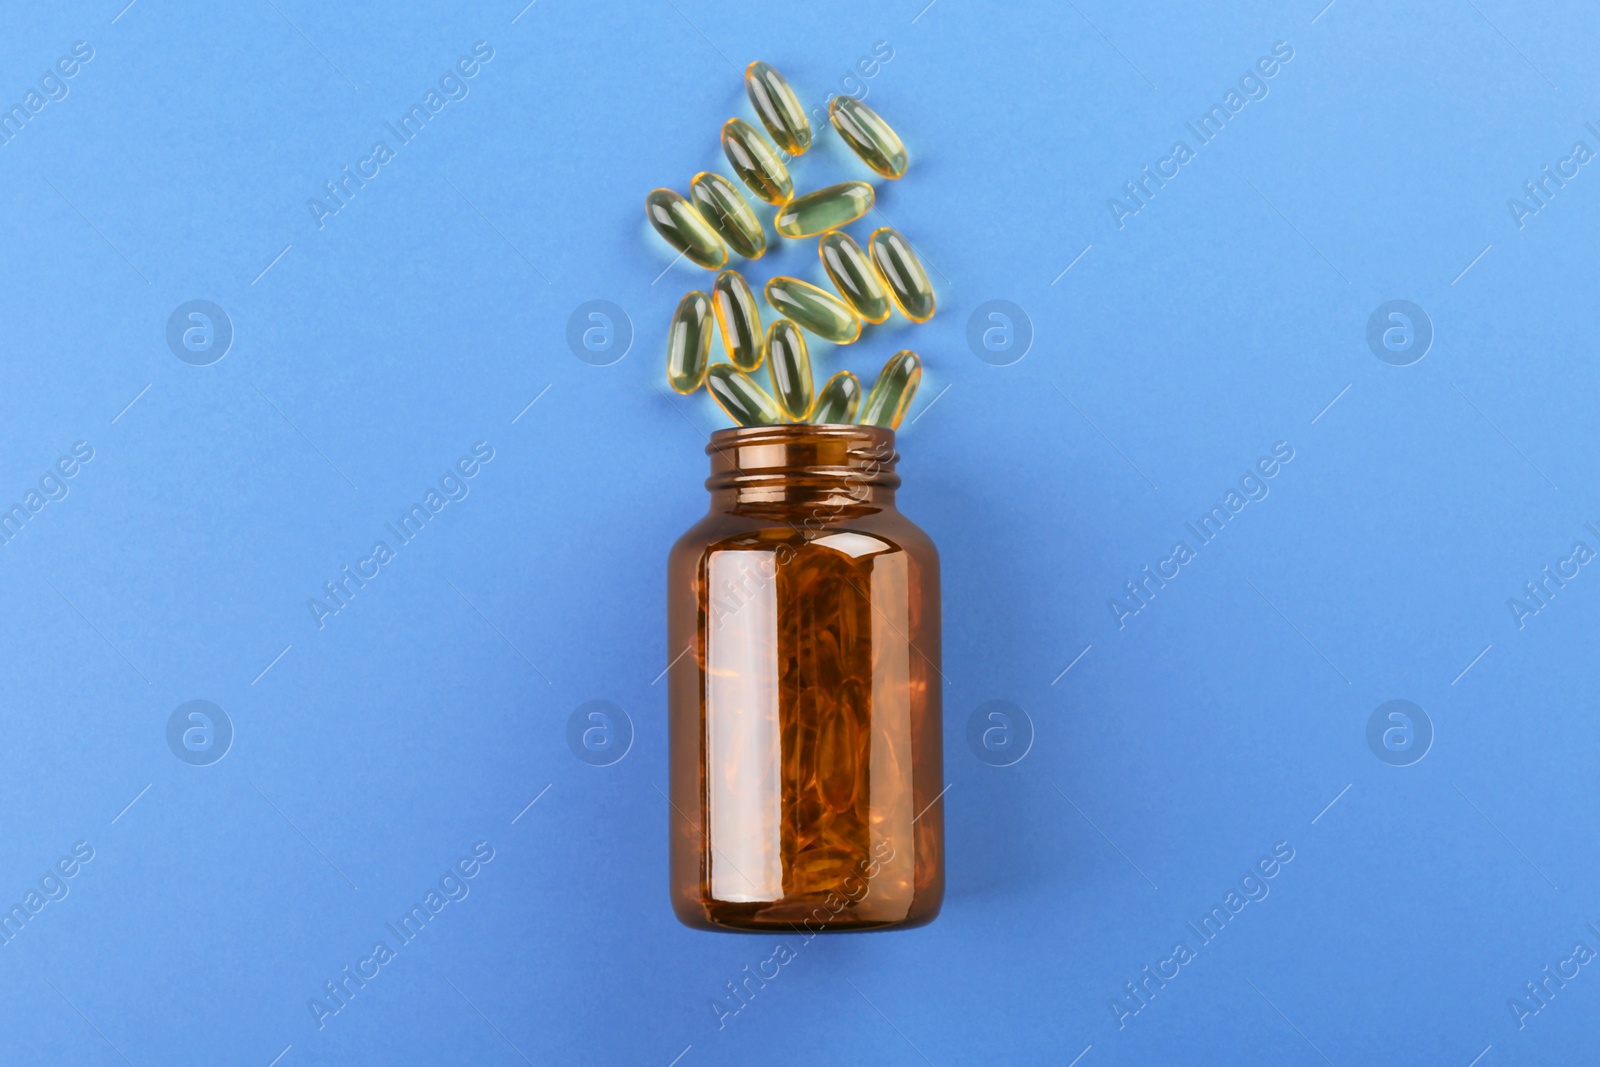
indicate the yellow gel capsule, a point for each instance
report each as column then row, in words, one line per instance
column 778, row 108
column 814, row 309
column 853, row 274
column 891, row 394
column 738, row 394
column 739, row 320
column 836, row 403
column 790, row 368
column 689, row 343
column 868, row 136
column 908, row 282
column 756, row 162
column 720, row 204
column 825, row 209
column 680, row 224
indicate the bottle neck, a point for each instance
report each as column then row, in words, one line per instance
column 798, row 471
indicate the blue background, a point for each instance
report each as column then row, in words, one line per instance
column 1228, row 715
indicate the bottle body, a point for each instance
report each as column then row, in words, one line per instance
column 804, row 702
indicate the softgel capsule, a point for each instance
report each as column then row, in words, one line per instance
column 837, row 401
column 872, row 139
column 740, row 397
column 909, row 284
column 891, row 394
column 682, row 227
column 815, row 309
column 789, row 365
column 738, row 320
column 778, row 108
column 825, row 209
column 689, row 343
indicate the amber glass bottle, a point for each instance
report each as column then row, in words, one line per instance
column 804, row 701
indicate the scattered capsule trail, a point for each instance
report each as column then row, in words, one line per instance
column 891, row 394
column 871, row 281
column 738, row 394
column 676, row 220
column 778, row 108
column 825, row 209
column 720, row 204
column 909, row 284
column 689, row 343
column 756, row 162
column 790, row 368
column 868, row 136
column 836, row 403
column 814, row 309
column 738, row 320
column 852, row 273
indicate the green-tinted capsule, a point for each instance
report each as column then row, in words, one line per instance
column 816, row 310
column 825, row 209
column 853, row 274
column 836, row 404
column 738, row 394
column 756, row 162
column 720, row 204
column 677, row 220
column 891, row 394
column 778, row 108
column 868, row 136
column 895, row 259
column 790, row 368
column 739, row 320
column 689, row 343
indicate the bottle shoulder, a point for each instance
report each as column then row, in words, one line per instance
column 854, row 531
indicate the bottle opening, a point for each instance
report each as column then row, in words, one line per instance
column 799, row 455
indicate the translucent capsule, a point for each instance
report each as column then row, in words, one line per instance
column 895, row 259
column 868, row 136
column 681, row 225
column 790, row 368
column 720, row 204
column 689, row 343
column 836, row 403
column 756, row 162
column 739, row 320
column 825, row 209
column 814, row 309
column 853, row 274
column 778, row 108
column 891, row 394
column 738, row 394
